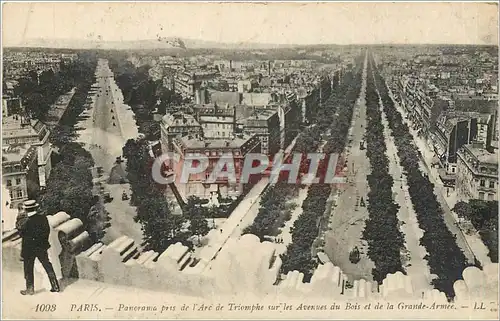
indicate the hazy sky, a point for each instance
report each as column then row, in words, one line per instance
column 284, row 23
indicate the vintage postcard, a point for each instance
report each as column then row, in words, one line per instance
column 280, row 160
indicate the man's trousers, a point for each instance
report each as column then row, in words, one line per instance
column 29, row 265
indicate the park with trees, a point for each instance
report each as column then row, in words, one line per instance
column 483, row 215
column 160, row 225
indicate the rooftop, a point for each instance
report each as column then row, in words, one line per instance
column 12, row 127
column 447, row 120
column 257, row 99
column 225, row 97
column 214, row 109
column 262, row 114
column 193, row 142
column 179, row 119
column 482, row 154
column 14, row 154
column 476, row 105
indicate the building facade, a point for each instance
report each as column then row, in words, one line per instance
column 185, row 137
column 454, row 130
column 477, row 173
column 216, row 122
column 265, row 123
column 188, row 148
column 177, row 124
column 26, row 157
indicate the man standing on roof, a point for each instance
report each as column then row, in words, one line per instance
column 35, row 233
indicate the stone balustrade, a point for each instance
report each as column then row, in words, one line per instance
column 244, row 266
column 67, row 238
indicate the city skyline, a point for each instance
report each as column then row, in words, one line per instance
column 322, row 174
column 266, row 24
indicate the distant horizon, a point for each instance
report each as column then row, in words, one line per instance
column 250, row 42
column 269, row 24
column 267, row 46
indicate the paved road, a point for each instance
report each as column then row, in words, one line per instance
column 122, row 216
column 106, row 128
column 347, row 218
column 104, row 138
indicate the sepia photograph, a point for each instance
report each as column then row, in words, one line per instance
column 250, row 160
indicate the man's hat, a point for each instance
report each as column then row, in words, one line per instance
column 30, row 207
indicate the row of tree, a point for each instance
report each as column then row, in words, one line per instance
column 337, row 122
column 64, row 132
column 69, row 186
column 298, row 255
column 446, row 260
column 274, row 210
column 331, row 118
column 160, row 226
column 143, row 94
column 330, row 123
column 484, row 217
column 40, row 90
column 385, row 240
column 328, row 118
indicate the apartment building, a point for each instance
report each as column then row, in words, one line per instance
column 265, row 123
column 26, row 157
column 216, row 122
column 187, row 147
column 477, row 173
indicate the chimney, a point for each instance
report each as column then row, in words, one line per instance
column 490, row 132
column 204, row 96
column 197, row 96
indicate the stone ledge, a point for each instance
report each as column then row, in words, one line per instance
column 246, row 266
